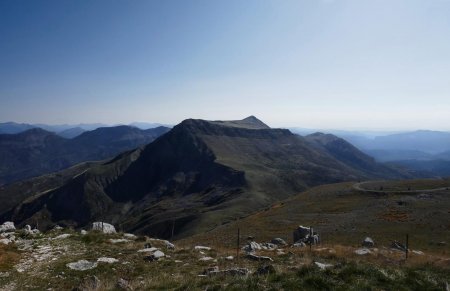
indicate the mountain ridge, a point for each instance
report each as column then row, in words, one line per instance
column 198, row 175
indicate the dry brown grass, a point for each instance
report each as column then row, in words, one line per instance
column 9, row 256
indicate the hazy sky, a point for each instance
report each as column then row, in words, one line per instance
column 306, row 63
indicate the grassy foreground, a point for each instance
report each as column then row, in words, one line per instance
column 40, row 263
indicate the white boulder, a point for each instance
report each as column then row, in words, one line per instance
column 82, row 265
column 107, row 260
column 202, row 248
column 103, row 227
column 323, row 266
column 7, row 226
column 363, row 251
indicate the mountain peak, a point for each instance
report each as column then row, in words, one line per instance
column 250, row 122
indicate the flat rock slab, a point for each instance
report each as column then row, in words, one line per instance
column 258, row 258
column 82, row 265
column 323, row 266
column 363, row 251
column 118, row 240
column 62, row 236
column 107, row 260
column 147, row 250
column 202, row 248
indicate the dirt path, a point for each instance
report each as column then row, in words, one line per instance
column 358, row 186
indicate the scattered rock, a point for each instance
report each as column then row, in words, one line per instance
column 265, row 270
column 82, row 265
column 258, row 258
column 169, row 245
column 204, row 259
column 129, row 236
column 368, row 243
column 211, row 270
column 202, row 248
column 123, row 284
column 398, row 246
column 323, row 266
column 252, row 247
column 62, row 236
column 147, row 250
column 299, row 245
column 229, row 258
column 279, row 241
column 236, row 272
column 103, row 227
column 269, row 246
column 230, row 272
column 118, row 240
column 7, row 226
column 417, row 252
column 107, row 260
column 5, row 241
column 158, row 254
column 362, row 251
column 306, row 235
column 83, row 232
column 57, row 227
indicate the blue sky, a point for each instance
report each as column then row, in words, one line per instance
column 308, row 63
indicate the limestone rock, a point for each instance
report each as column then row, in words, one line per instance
column 82, row 265
column 7, row 226
column 103, row 227
column 202, row 248
column 279, row 241
column 107, row 260
column 363, row 251
column 62, row 236
column 323, row 266
column 129, row 236
column 252, row 247
column 368, row 243
column 258, row 258
column 299, row 245
column 269, row 246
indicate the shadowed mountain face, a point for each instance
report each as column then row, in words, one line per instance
column 197, row 176
column 36, row 151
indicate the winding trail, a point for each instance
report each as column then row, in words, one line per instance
column 358, row 187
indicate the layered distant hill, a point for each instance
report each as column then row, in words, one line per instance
column 36, row 151
column 197, row 176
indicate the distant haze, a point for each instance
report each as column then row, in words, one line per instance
column 342, row 64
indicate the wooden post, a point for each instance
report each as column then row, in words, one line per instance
column 238, row 243
column 310, row 238
column 407, row 247
column 173, row 229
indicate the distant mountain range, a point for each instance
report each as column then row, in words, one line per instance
column 67, row 130
column 198, row 175
column 423, row 151
column 36, row 151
